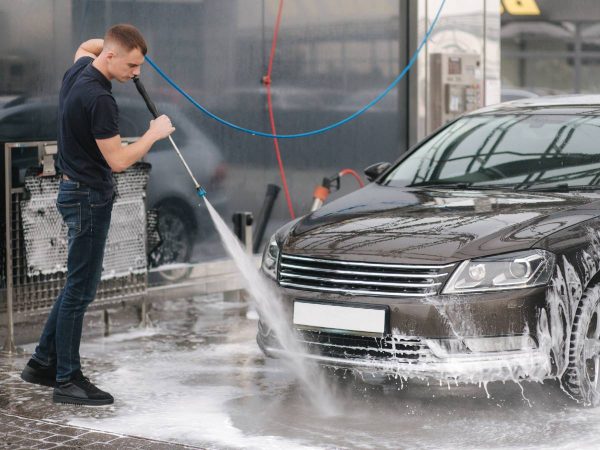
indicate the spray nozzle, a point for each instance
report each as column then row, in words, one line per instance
column 332, row 182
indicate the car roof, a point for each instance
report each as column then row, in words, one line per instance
column 547, row 104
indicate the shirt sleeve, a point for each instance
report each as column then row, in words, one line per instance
column 83, row 61
column 105, row 117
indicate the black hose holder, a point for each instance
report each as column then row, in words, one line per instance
column 264, row 215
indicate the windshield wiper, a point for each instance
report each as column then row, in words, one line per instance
column 471, row 185
column 487, row 187
column 447, row 185
column 561, row 187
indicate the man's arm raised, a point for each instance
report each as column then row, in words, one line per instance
column 91, row 48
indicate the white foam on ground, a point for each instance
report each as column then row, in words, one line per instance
column 163, row 398
column 192, row 418
column 133, row 334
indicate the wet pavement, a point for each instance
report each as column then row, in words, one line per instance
column 198, row 378
column 18, row 432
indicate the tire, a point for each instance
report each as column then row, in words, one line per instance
column 177, row 242
column 582, row 377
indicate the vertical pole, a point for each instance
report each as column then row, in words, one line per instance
column 242, row 228
column 485, row 55
column 106, row 320
column 145, row 321
column 408, row 94
column 577, row 58
column 523, row 62
column 9, row 344
column 248, row 236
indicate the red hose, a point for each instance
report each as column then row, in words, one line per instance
column 267, row 82
column 354, row 174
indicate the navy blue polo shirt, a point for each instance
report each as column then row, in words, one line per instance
column 86, row 111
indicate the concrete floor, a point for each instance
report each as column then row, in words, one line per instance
column 198, row 378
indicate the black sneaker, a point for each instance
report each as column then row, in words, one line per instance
column 79, row 390
column 36, row 373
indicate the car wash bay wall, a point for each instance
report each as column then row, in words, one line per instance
column 332, row 58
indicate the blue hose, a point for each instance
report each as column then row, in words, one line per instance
column 320, row 130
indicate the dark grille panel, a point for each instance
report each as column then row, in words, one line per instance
column 405, row 349
column 361, row 278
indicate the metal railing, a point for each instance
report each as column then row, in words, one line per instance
column 33, row 263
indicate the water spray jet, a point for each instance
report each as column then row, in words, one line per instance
column 267, row 301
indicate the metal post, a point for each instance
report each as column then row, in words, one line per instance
column 106, row 319
column 248, row 235
column 144, row 316
column 577, row 47
column 9, row 344
column 242, row 228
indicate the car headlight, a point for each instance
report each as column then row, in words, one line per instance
column 517, row 270
column 270, row 258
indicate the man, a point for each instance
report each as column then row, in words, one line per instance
column 89, row 151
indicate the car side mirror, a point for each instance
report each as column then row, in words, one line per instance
column 374, row 170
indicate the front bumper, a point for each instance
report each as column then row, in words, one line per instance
column 418, row 358
column 440, row 337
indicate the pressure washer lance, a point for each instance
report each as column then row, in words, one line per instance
column 142, row 90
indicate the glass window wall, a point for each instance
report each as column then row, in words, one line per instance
column 332, row 58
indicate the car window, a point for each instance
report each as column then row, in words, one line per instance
column 507, row 149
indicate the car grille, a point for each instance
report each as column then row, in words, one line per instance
column 361, row 278
column 399, row 349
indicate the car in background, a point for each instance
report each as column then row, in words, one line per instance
column 508, row 94
column 475, row 257
column 182, row 219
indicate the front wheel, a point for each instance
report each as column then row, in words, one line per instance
column 582, row 377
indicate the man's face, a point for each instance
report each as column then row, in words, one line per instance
column 123, row 65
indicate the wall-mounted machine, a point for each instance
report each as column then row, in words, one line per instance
column 455, row 86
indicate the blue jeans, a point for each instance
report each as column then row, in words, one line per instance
column 86, row 212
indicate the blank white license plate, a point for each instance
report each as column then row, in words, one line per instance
column 335, row 317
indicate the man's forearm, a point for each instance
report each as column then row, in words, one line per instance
column 132, row 153
column 119, row 158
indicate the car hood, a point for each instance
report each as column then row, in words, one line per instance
column 434, row 225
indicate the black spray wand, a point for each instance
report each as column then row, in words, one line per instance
column 142, row 90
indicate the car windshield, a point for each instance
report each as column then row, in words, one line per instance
column 517, row 151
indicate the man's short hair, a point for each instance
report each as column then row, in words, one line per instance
column 127, row 36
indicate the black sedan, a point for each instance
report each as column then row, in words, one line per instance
column 475, row 257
